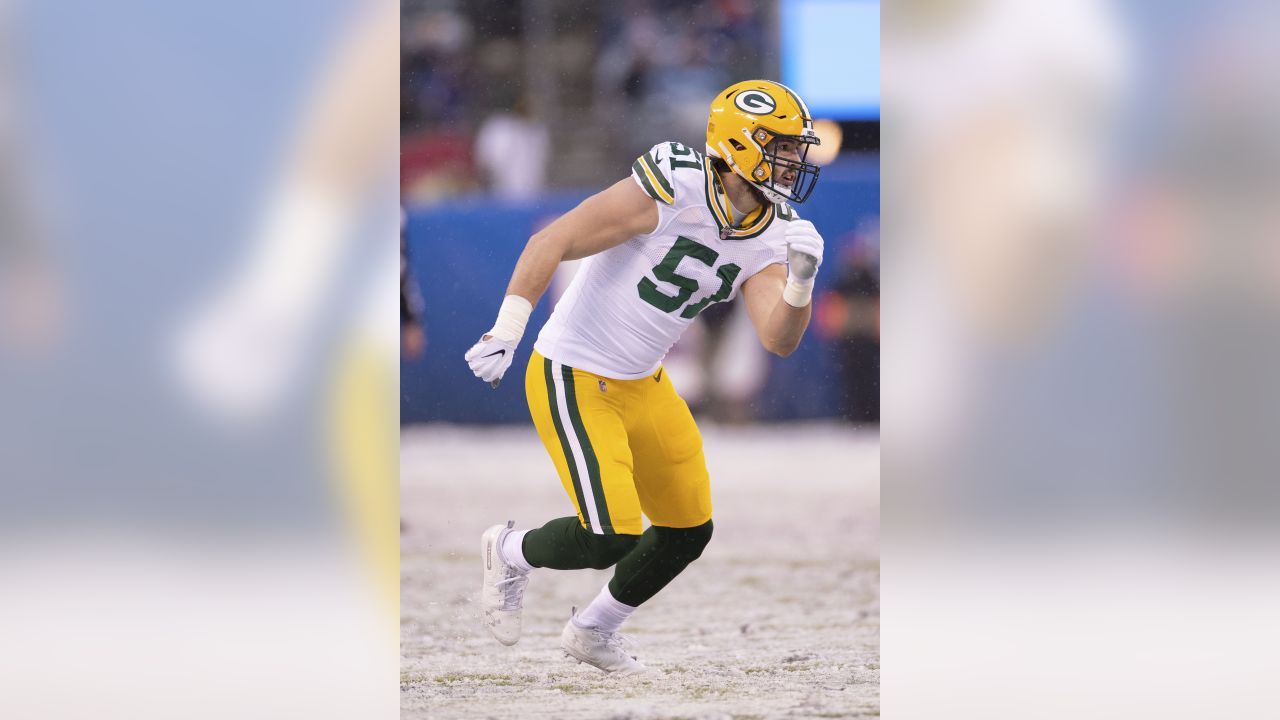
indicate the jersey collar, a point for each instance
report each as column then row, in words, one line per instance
column 717, row 202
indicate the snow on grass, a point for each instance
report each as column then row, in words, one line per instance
column 780, row 618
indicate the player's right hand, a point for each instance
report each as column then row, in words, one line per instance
column 490, row 357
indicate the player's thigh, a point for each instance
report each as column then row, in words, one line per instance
column 670, row 470
column 582, row 429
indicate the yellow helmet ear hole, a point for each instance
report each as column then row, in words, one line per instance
column 737, row 145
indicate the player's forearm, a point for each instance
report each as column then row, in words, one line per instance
column 541, row 256
column 491, row 356
column 537, row 264
column 785, row 327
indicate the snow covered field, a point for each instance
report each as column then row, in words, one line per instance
column 780, row 618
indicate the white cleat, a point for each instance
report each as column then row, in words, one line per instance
column 502, row 595
column 604, row 650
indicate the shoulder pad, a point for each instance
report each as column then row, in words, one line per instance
column 656, row 170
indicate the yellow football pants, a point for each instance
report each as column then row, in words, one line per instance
column 621, row 447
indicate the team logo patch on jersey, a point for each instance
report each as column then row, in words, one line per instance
column 756, row 102
column 603, row 387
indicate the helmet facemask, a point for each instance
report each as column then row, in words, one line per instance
column 784, row 178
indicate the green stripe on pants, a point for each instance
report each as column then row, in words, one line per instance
column 564, row 441
column 588, row 453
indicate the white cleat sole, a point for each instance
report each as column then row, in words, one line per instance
column 642, row 669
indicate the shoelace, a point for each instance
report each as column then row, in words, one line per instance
column 513, row 593
column 623, row 643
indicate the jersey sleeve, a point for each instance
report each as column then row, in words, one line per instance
column 649, row 174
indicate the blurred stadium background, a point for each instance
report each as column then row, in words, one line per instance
column 1080, row 373
column 512, row 112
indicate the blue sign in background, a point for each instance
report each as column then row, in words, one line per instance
column 462, row 254
column 831, row 56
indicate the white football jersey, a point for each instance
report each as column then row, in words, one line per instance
column 628, row 305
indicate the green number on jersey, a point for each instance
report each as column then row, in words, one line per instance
column 666, row 272
column 679, row 150
column 727, row 274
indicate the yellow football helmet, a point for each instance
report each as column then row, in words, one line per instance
column 745, row 119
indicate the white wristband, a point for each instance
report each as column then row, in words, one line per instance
column 798, row 293
column 512, row 317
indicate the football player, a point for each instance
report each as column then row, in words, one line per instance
column 685, row 230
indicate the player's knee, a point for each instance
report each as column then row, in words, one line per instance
column 687, row 544
column 698, row 539
column 607, row 550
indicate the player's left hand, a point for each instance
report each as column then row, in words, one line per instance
column 804, row 250
column 490, row 357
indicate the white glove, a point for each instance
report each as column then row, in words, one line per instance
column 492, row 355
column 490, row 358
column 804, row 257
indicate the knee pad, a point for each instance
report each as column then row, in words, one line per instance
column 604, row 551
column 686, row 544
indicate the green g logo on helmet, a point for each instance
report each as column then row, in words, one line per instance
column 755, row 102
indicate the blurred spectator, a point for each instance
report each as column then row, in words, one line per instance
column 604, row 80
column 413, row 336
column 848, row 316
column 661, row 60
column 435, row 166
column 434, row 69
column 436, row 102
column 511, row 151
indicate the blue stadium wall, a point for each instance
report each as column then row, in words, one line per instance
column 462, row 254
